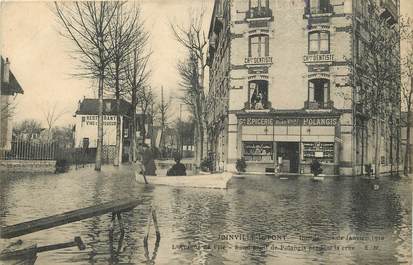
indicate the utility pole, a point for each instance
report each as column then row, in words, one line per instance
column 162, row 121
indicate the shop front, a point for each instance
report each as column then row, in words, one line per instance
column 288, row 143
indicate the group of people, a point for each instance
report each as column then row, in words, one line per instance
column 146, row 159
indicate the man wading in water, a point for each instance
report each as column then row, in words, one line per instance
column 146, row 164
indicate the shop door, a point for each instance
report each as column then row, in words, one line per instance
column 289, row 151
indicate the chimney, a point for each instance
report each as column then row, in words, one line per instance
column 6, row 70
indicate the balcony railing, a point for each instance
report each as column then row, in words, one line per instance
column 314, row 105
column 319, row 10
column 265, row 106
column 256, row 13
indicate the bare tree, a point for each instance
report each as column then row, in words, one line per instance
column 52, row 115
column 28, row 129
column 146, row 99
column 188, row 72
column 193, row 38
column 163, row 108
column 124, row 29
column 7, row 109
column 137, row 75
column 375, row 78
column 407, row 89
column 86, row 24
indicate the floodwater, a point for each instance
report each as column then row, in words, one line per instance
column 258, row 220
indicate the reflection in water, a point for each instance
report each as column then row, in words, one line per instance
column 114, row 253
column 151, row 260
column 307, row 213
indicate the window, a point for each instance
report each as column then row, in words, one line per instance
column 258, row 94
column 359, row 48
column 258, row 46
column 108, row 106
column 318, row 92
column 319, row 42
column 320, row 6
column 258, row 151
column 85, row 143
column 258, row 4
column 259, row 9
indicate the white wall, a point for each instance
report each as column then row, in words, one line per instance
column 87, row 127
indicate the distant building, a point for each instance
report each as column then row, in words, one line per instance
column 279, row 94
column 9, row 87
column 86, row 126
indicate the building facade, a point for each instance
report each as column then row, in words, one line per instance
column 279, row 94
column 86, row 126
column 9, row 87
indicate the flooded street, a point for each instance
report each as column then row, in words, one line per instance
column 258, row 220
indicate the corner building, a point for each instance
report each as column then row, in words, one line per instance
column 279, row 94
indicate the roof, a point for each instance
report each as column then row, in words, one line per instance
column 90, row 106
column 13, row 86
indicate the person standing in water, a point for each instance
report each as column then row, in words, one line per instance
column 147, row 160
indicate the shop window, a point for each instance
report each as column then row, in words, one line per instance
column 258, row 46
column 258, row 151
column 258, row 94
column 323, row 151
column 318, row 92
column 319, row 42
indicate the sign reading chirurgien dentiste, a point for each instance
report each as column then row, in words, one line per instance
column 316, row 121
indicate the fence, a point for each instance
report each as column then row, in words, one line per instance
column 26, row 150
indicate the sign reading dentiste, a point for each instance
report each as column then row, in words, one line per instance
column 258, row 60
column 317, row 58
column 266, row 121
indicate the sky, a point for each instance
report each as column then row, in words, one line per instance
column 40, row 57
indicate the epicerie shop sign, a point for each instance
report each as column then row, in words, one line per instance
column 317, row 58
column 289, row 121
column 92, row 120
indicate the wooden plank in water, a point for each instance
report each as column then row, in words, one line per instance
column 28, row 227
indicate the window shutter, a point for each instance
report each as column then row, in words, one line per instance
column 267, row 46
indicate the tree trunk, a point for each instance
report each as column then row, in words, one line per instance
column 407, row 154
column 198, row 145
column 118, row 129
column 143, row 127
column 362, row 147
column 377, row 152
column 132, row 148
column 204, row 140
column 398, row 147
column 391, row 153
column 98, row 163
